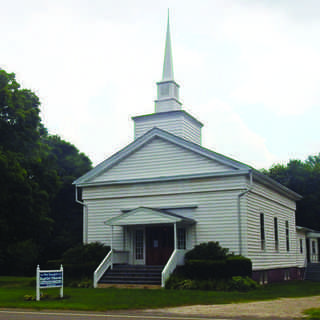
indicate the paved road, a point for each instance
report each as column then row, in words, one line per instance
column 72, row 315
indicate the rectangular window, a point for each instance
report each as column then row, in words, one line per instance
column 181, row 238
column 139, row 245
column 276, row 237
column 313, row 243
column 301, row 246
column 287, row 275
column 287, row 236
column 262, row 233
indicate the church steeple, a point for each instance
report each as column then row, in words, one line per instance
column 168, row 89
column 167, row 73
column 168, row 115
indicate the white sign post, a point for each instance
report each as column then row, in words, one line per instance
column 49, row 279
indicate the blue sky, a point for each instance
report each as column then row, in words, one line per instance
column 249, row 70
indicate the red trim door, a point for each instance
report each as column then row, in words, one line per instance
column 160, row 244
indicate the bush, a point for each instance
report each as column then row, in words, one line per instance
column 207, row 251
column 238, row 266
column 242, row 284
column 22, row 258
column 82, row 260
column 209, row 267
column 205, row 269
column 234, row 284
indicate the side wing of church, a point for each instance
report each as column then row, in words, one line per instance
column 164, row 193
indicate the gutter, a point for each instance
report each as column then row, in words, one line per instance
column 85, row 217
column 239, row 210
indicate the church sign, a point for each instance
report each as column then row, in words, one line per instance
column 49, row 279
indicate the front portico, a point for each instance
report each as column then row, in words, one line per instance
column 151, row 235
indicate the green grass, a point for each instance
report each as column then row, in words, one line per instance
column 13, row 290
column 313, row 313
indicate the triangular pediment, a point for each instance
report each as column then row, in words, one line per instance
column 145, row 216
column 159, row 154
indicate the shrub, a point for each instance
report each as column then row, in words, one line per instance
column 207, row 251
column 234, row 284
column 242, row 284
column 238, row 266
column 205, row 269
column 209, row 267
column 82, row 260
column 22, row 258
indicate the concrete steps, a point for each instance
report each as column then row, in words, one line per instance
column 313, row 272
column 132, row 275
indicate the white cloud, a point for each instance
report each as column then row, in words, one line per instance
column 280, row 73
column 225, row 132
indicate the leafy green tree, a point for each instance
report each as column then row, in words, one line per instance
column 304, row 178
column 24, row 201
column 66, row 213
column 38, row 215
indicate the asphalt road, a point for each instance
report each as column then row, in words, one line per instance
column 72, row 315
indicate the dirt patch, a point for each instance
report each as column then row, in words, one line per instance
column 285, row 308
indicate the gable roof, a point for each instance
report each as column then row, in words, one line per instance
column 236, row 167
column 145, row 215
column 147, row 137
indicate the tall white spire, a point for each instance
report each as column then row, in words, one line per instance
column 167, row 73
column 168, row 89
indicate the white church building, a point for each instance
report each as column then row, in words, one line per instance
column 164, row 193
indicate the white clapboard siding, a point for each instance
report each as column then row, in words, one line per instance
column 262, row 200
column 163, row 188
column 215, row 214
column 177, row 123
column 301, row 256
column 160, row 158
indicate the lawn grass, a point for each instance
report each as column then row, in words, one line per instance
column 13, row 290
column 313, row 313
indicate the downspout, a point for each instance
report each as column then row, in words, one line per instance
column 85, row 218
column 239, row 210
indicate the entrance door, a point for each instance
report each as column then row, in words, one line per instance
column 139, row 252
column 160, row 244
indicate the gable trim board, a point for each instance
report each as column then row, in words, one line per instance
column 142, row 140
column 237, row 168
column 147, row 216
column 164, row 179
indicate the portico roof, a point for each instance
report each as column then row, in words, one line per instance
column 147, row 216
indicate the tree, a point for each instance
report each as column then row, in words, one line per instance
column 66, row 213
column 24, row 201
column 303, row 178
column 37, row 212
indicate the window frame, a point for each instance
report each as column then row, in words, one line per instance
column 276, row 233
column 287, row 235
column 262, row 232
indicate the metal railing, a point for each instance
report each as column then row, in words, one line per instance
column 176, row 259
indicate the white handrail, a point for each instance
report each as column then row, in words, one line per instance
column 103, row 266
column 176, row 259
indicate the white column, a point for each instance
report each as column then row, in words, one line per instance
column 111, row 245
column 175, row 235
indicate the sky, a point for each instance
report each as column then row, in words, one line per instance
column 249, row 70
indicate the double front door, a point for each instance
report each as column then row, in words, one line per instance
column 154, row 245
